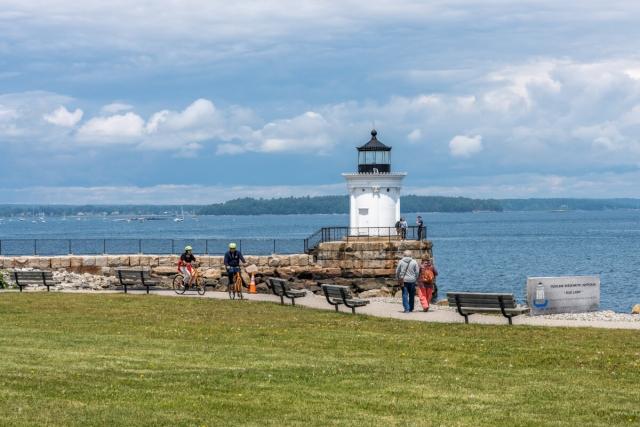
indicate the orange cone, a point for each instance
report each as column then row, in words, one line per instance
column 252, row 285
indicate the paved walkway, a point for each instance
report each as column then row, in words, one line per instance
column 394, row 311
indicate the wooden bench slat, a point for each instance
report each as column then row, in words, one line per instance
column 337, row 295
column 494, row 304
column 34, row 278
column 467, row 303
column 281, row 288
column 131, row 277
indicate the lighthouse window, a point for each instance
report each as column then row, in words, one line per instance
column 387, row 190
column 363, row 190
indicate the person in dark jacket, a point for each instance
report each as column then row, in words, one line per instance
column 420, row 224
column 232, row 260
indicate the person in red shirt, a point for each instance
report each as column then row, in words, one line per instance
column 185, row 265
column 426, row 282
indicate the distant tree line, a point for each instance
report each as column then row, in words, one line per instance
column 340, row 205
column 72, row 210
column 323, row 205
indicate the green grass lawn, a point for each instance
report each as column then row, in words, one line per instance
column 132, row 360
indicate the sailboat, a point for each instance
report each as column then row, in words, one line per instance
column 179, row 218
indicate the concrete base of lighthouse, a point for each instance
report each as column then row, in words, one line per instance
column 374, row 200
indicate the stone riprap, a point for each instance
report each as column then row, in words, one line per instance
column 366, row 266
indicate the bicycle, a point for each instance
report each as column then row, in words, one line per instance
column 235, row 285
column 197, row 283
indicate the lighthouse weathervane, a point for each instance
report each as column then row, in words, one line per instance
column 374, row 191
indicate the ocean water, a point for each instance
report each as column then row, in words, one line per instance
column 473, row 251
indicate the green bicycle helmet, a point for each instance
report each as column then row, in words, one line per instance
column 232, row 245
column 188, row 248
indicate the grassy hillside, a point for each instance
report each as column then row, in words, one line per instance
column 152, row 360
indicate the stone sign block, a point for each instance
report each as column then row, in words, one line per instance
column 566, row 294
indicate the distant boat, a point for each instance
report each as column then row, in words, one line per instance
column 179, row 218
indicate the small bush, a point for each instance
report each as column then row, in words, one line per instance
column 4, row 279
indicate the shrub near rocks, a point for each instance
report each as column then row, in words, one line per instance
column 4, row 279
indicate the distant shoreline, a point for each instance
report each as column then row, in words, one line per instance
column 320, row 205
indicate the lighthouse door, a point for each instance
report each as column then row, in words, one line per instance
column 363, row 221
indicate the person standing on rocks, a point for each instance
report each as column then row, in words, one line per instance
column 426, row 282
column 403, row 228
column 407, row 274
column 420, row 224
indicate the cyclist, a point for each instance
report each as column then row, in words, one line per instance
column 232, row 260
column 185, row 267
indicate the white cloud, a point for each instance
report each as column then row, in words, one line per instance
column 63, row 117
column 415, row 135
column 307, row 133
column 22, row 113
column 200, row 114
column 160, row 194
column 553, row 117
column 116, row 128
column 116, row 107
column 465, row 146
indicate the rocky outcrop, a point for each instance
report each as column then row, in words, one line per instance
column 635, row 309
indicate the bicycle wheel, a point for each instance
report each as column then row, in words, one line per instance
column 200, row 287
column 231, row 287
column 178, row 284
column 238, row 285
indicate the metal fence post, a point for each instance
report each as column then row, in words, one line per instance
column 35, row 247
column 140, row 246
column 104, row 246
column 274, row 246
column 240, row 245
column 69, row 241
column 206, row 246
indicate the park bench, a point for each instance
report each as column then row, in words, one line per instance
column 282, row 289
column 467, row 303
column 136, row 278
column 34, row 278
column 337, row 295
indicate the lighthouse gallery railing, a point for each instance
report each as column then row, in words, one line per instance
column 335, row 234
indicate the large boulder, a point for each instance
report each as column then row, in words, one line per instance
column 274, row 262
column 363, row 286
column 165, row 270
column 60, row 262
column 212, row 273
column 635, row 309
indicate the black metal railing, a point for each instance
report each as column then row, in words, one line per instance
column 334, row 234
column 121, row 246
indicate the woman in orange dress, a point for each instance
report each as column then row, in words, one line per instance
column 426, row 282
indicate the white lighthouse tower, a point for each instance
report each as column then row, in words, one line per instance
column 374, row 191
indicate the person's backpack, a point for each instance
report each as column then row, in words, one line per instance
column 397, row 224
column 427, row 276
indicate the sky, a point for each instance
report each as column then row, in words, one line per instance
column 205, row 101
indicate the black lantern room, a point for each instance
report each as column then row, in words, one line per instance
column 374, row 156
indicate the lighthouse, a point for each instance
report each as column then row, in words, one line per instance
column 374, row 191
